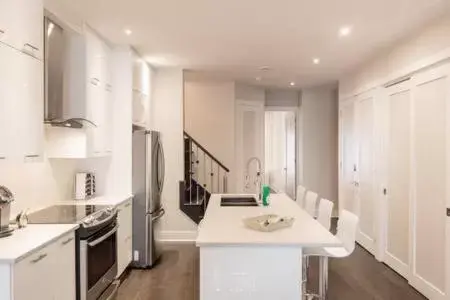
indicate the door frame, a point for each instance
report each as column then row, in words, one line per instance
column 298, row 157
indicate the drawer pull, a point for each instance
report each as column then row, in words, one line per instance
column 67, row 241
column 32, row 156
column 2, row 157
column 31, row 46
column 2, row 31
column 41, row 257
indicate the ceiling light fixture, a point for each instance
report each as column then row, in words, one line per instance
column 292, row 83
column 345, row 31
column 258, row 78
column 264, row 68
column 128, row 31
column 316, row 61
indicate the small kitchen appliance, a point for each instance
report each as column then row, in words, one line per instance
column 6, row 197
column 84, row 185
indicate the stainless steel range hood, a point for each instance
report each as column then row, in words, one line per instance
column 55, row 50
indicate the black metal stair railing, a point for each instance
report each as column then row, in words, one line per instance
column 203, row 175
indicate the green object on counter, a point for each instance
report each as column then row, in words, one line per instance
column 265, row 195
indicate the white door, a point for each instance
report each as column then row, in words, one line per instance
column 365, row 208
column 430, row 129
column 397, row 204
column 347, row 157
column 249, row 143
column 291, row 164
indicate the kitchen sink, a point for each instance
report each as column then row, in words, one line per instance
column 238, row 201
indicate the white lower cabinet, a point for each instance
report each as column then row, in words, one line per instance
column 47, row 274
column 124, row 236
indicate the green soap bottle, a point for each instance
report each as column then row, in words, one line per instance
column 265, row 195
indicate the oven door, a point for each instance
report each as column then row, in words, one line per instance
column 98, row 262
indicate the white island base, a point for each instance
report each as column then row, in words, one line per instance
column 250, row 273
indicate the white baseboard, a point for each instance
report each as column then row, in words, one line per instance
column 177, row 236
column 396, row 264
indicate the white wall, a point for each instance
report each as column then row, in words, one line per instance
column 278, row 97
column 319, row 150
column 249, row 93
column 167, row 109
column 209, row 109
column 426, row 47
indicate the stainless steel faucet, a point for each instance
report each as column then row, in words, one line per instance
column 259, row 175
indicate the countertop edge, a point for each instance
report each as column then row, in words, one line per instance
column 17, row 259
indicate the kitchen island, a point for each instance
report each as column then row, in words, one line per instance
column 242, row 264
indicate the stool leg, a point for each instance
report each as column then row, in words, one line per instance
column 323, row 277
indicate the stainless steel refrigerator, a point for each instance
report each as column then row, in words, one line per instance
column 148, row 183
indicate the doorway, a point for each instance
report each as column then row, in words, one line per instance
column 280, row 151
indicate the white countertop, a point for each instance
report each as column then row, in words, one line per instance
column 223, row 226
column 29, row 239
column 113, row 200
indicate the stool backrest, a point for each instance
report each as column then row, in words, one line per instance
column 311, row 203
column 300, row 197
column 325, row 211
column 347, row 229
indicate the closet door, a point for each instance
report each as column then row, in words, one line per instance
column 431, row 96
column 364, row 179
column 396, row 247
column 347, row 157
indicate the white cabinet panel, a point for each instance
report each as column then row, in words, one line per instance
column 124, row 236
column 64, row 284
column 22, row 24
column 33, row 276
column 32, row 107
column 21, row 99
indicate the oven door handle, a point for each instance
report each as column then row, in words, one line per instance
column 103, row 237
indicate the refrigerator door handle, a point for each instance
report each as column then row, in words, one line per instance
column 163, row 166
column 159, row 214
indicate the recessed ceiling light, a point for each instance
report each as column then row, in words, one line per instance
column 128, row 31
column 345, row 31
column 292, row 83
column 258, row 78
column 264, row 68
column 316, row 61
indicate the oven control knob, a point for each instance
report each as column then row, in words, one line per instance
column 88, row 221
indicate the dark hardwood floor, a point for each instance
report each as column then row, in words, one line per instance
column 358, row 277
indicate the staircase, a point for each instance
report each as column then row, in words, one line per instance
column 203, row 175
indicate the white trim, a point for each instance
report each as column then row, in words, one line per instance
column 396, row 264
column 426, row 288
column 281, row 108
column 416, row 67
column 177, row 236
column 366, row 242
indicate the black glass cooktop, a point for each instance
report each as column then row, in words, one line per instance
column 63, row 214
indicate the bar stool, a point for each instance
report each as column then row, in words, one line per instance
column 300, row 197
column 346, row 232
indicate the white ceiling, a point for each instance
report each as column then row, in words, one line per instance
column 235, row 38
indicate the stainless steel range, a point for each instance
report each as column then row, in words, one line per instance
column 96, row 244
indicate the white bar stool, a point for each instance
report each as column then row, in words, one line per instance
column 300, row 197
column 346, row 232
column 311, row 203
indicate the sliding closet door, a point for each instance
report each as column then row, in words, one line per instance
column 347, row 157
column 430, row 181
column 396, row 250
column 365, row 207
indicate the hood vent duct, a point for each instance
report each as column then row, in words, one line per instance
column 56, row 50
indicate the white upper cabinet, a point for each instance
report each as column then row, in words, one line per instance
column 22, row 103
column 141, row 92
column 21, row 25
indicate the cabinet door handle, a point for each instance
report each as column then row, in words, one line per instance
column 2, row 31
column 31, row 46
column 32, row 156
column 2, row 157
column 41, row 257
column 127, row 238
column 67, row 241
column 128, row 204
column 95, row 81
